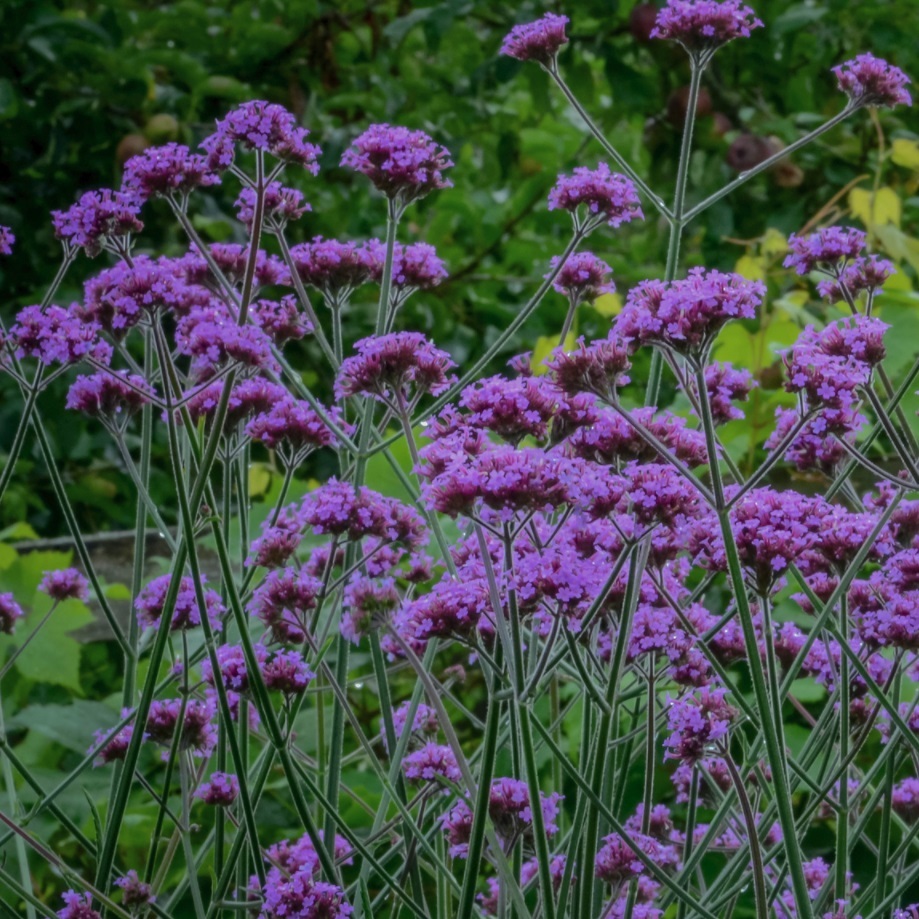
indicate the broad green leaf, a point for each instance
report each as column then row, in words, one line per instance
column 773, row 243
column 751, row 267
column 875, row 209
column 259, row 479
column 72, row 725
column 608, row 304
column 905, row 153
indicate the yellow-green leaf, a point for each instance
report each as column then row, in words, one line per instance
column 876, row 209
column 608, row 304
column 773, row 243
column 899, row 246
column 751, row 267
column 544, row 346
column 905, row 153
column 259, row 479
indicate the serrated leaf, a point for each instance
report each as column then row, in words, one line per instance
column 905, row 153
column 876, row 209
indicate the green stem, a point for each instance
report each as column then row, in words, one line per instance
column 772, row 733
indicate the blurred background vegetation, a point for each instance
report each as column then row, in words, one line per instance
column 84, row 85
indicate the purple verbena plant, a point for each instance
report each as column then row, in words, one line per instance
column 564, row 538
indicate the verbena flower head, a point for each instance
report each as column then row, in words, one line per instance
column 111, row 396
column 287, row 672
column 300, row 896
column 125, row 295
column 905, row 799
column 828, row 366
column 134, row 892
column 220, row 790
column 114, row 743
column 233, row 669
column 431, row 761
column 232, row 259
column 167, row 170
column 512, row 409
column 403, row 164
column 414, row 267
column 334, row 268
column 197, row 733
column 599, row 368
column 696, row 722
column 538, row 41
column 66, row 584
column 617, row 862
column 10, row 613
column 686, row 315
column 726, row 385
column 259, row 125
column 861, row 276
column 281, row 205
column 870, row 80
column 282, row 601
column 424, row 724
column 702, row 25
column 397, row 369
column 99, row 220
column 7, row 239
column 510, row 810
column 583, row 277
column 294, row 429
column 151, row 602
column 57, row 336
column 77, row 906
column 368, row 605
column 281, row 319
column 214, row 342
column 828, row 249
column 605, row 196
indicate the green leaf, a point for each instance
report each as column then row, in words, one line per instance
column 72, row 726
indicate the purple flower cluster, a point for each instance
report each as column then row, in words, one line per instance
column 220, row 790
column 538, row 41
column 167, row 170
column 57, row 336
column 828, row 367
column 334, row 268
column 99, row 220
column 197, row 731
column 7, row 240
column 870, row 80
column 696, row 722
column 430, row 762
column 828, row 250
column 263, row 126
column 583, row 277
column 280, row 206
column 134, row 891
column 77, row 906
column 113, row 396
column 702, row 25
column 186, row 613
column 66, row 584
column 403, row 164
column 685, row 316
column 396, row 369
column 605, row 196
column 10, row 613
